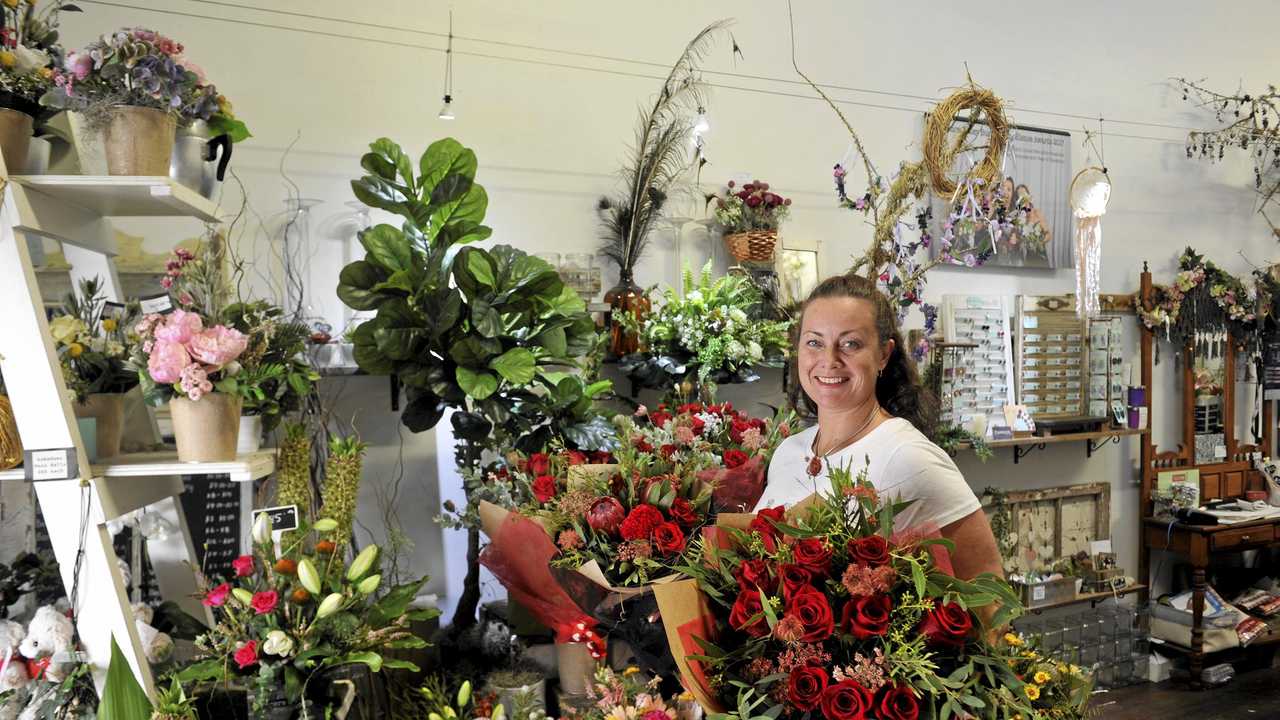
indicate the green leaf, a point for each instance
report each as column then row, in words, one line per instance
column 386, row 244
column 382, row 194
column 392, row 154
column 477, row 384
column 515, row 365
column 443, row 158
column 394, row 604
column 485, row 319
column 475, row 351
column 368, row 657
column 423, row 411
column 568, row 302
column 356, row 285
column 769, row 615
column 481, row 268
column 393, row 664
column 122, row 697
column 213, row 669
column 554, row 341
column 917, row 577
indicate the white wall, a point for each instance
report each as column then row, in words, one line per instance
column 550, row 138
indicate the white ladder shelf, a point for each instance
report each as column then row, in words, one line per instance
column 74, row 211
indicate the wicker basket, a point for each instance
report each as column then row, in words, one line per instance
column 752, row 246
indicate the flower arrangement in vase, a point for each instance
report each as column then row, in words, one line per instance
column 94, row 341
column 288, row 618
column 188, row 358
column 830, row 610
column 127, row 92
column 29, row 49
column 274, row 380
column 749, row 216
column 710, row 335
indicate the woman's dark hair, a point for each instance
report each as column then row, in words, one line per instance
column 898, row 388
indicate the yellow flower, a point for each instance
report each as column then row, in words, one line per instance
column 1075, row 669
column 1031, row 654
column 1042, row 677
column 109, row 324
column 631, row 670
column 1033, row 692
column 11, row 3
column 46, row 73
column 8, row 59
column 1013, row 640
column 75, row 350
column 64, row 328
column 1062, row 667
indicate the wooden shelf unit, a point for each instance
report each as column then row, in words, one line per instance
column 244, row 468
column 1094, row 441
column 1092, row 597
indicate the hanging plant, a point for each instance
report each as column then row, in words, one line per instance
column 1204, row 298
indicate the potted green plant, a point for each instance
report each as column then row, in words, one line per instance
column 94, row 341
column 127, row 92
column 30, row 49
column 485, row 332
column 274, row 380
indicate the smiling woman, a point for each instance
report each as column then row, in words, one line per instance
column 851, row 370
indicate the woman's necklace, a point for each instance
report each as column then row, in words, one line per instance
column 815, row 463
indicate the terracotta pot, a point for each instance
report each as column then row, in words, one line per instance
column 631, row 298
column 15, row 138
column 108, row 409
column 127, row 141
column 576, row 667
column 206, row 429
column 250, row 436
column 10, row 441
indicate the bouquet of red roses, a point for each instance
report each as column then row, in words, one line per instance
column 827, row 611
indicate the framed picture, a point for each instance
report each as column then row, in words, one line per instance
column 1024, row 219
column 797, row 273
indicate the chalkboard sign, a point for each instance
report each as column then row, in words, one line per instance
column 1271, row 368
column 284, row 517
column 211, row 504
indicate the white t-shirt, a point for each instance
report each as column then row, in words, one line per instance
column 904, row 465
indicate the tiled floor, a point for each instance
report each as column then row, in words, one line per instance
column 1254, row 696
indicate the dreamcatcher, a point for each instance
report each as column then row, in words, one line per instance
column 1089, row 194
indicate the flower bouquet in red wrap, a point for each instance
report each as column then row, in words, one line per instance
column 828, row 611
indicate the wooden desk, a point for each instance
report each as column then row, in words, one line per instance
column 1199, row 543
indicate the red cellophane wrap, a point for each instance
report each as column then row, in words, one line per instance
column 518, row 554
column 737, row 489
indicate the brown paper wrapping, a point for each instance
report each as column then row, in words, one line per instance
column 686, row 614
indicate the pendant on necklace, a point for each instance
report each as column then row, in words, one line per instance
column 815, row 466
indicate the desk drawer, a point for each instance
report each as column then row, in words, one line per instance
column 1242, row 537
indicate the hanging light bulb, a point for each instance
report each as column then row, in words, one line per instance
column 446, row 110
column 702, row 125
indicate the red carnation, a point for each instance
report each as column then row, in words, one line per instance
column 809, row 605
column 746, row 607
column 846, row 700
column 734, row 458
column 264, row 602
column 755, row 573
column 605, row 515
column 872, row 551
column 545, row 488
column 813, row 555
column 641, row 522
column 867, row 616
column 805, row 687
column 668, row 538
column 794, row 577
column 898, row 703
column 659, row 418
column 947, row 624
column 682, row 512
column 539, row 464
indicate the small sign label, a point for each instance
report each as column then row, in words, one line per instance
column 1037, row 593
column 157, row 304
column 283, row 518
column 57, row 464
column 113, row 310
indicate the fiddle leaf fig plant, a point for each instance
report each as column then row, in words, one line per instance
column 486, row 332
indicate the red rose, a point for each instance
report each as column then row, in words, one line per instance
column 641, row 522
column 539, row 464
column 734, row 458
column 812, row 555
column 668, row 538
column 682, row 512
column 809, row 605
column 737, row 427
column 243, row 565
column 846, row 700
column 666, row 451
column 264, row 602
column 753, row 574
column 641, row 444
column 689, row 408
column 898, row 703
column 659, row 418
column 871, row 551
column 247, row 654
column 605, row 515
column 946, row 625
column 746, row 607
column 576, row 457
column 545, row 488
column 867, row 616
column 805, row 687
column 794, row 577
column 217, row 597
column 761, row 524
column 699, row 426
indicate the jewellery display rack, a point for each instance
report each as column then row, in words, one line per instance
column 1051, row 357
column 984, row 321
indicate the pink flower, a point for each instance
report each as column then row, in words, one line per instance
column 684, row 435
column 265, row 602
column 180, row 327
column 195, row 382
column 218, row 345
column 243, row 565
column 217, row 597
column 81, row 65
column 247, row 654
column 569, row 540
column 186, row 299
column 166, row 282
column 167, row 361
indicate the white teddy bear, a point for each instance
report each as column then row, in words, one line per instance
column 157, row 646
column 48, row 635
column 13, row 670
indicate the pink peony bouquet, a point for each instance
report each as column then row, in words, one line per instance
column 179, row 352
